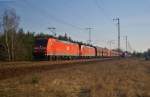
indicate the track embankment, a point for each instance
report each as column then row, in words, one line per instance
column 13, row 69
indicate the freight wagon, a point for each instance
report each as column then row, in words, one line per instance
column 99, row 51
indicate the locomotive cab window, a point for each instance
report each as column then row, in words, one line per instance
column 41, row 42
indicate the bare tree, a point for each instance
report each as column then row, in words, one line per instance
column 10, row 26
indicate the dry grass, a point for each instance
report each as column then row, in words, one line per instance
column 124, row 78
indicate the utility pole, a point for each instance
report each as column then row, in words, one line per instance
column 118, row 24
column 130, row 47
column 89, row 29
column 52, row 29
column 110, row 43
column 126, row 43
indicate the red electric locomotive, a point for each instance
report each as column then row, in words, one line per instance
column 52, row 48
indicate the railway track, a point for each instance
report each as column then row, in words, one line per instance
column 13, row 69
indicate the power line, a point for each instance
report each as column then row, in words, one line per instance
column 107, row 17
column 52, row 17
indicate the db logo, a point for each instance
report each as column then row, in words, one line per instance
column 68, row 48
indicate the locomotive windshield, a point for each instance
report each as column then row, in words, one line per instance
column 41, row 42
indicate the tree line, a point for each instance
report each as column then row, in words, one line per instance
column 15, row 43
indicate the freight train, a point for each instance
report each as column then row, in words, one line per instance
column 54, row 49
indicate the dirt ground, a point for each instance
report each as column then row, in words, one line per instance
column 116, row 78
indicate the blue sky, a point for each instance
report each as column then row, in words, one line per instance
column 73, row 16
